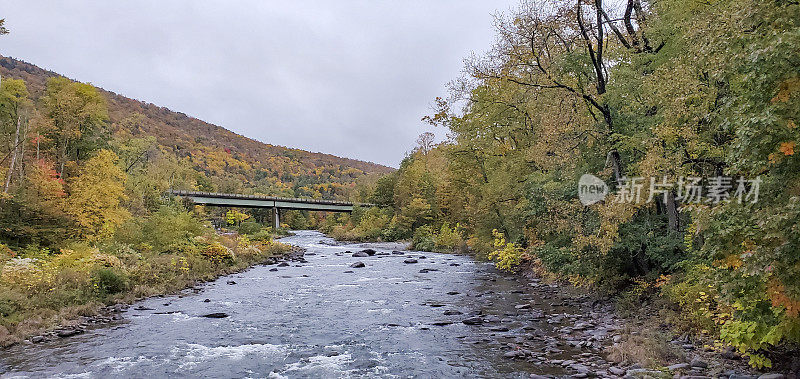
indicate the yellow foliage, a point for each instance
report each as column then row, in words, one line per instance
column 506, row 254
column 95, row 196
column 217, row 253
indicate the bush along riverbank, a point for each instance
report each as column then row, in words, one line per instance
column 57, row 292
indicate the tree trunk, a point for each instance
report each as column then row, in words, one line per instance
column 13, row 155
column 672, row 212
column 615, row 160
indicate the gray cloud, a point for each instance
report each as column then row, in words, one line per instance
column 350, row 78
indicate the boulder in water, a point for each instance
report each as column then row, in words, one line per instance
column 473, row 321
column 215, row 315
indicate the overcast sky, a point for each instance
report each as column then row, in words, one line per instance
column 350, row 78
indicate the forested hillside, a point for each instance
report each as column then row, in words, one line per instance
column 686, row 110
column 230, row 162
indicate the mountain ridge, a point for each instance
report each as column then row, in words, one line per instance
column 8, row 66
column 218, row 152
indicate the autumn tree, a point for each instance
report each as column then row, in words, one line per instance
column 95, row 196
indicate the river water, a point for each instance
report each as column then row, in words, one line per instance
column 322, row 318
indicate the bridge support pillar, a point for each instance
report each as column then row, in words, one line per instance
column 277, row 217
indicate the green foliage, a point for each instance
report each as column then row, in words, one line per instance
column 448, row 239
column 170, row 229
column 109, row 281
column 249, row 227
column 423, row 239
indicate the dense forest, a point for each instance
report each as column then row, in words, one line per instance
column 688, row 110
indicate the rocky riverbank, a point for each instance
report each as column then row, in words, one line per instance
column 110, row 313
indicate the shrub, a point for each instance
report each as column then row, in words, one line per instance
column 171, row 228
column 507, row 255
column 263, row 235
column 423, row 239
column 217, row 253
column 249, row 227
column 109, row 281
column 448, row 239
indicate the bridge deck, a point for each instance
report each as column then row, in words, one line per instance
column 258, row 201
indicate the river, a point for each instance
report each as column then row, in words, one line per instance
column 322, row 318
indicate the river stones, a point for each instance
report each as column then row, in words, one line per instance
column 207, row 300
column 283, row 264
column 273, row 269
column 358, row 265
column 410, row 261
column 398, row 253
column 360, row 254
column 369, row 252
column 451, row 312
column 442, row 323
column 453, row 293
column 215, row 315
column 231, row 282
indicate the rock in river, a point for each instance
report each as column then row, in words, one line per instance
column 283, row 264
column 358, row 265
column 369, row 252
column 215, row 315
column 409, row 261
column 473, row 321
column 68, row 332
column 360, row 254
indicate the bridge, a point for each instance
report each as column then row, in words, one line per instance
column 269, row 202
